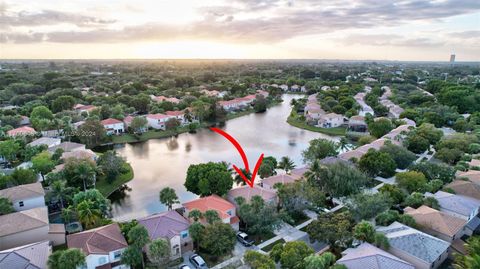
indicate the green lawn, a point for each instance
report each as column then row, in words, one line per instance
column 107, row 188
column 297, row 122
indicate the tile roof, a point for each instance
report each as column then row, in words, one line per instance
column 472, row 175
column 100, row 240
column 31, row 256
column 23, row 192
column 367, row 256
column 128, row 119
column 110, row 121
column 79, row 154
column 247, row 192
column 48, row 141
column 465, row 187
column 436, row 220
column 67, row 146
column 417, row 244
column 459, row 204
column 23, row 221
column 212, row 202
column 24, row 130
column 284, row 179
column 474, row 162
column 164, row 225
column 157, row 116
column 299, row 172
column 175, row 113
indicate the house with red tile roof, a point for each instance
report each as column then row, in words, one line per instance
column 269, row 182
column 177, row 114
column 158, row 121
column 171, row 226
column 84, row 108
column 103, row 246
column 247, row 192
column 225, row 209
column 165, row 99
column 113, row 126
column 22, row 131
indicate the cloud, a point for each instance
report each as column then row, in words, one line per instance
column 253, row 21
column 389, row 40
column 465, row 34
column 49, row 17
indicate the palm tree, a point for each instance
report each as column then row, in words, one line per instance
column 195, row 214
column 68, row 214
column 286, row 164
column 472, row 260
column 85, row 172
column 88, row 214
column 68, row 258
column 59, row 191
column 239, row 180
column 343, row 144
column 313, row 175
column 168, row 197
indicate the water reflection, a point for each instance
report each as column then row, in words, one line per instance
column 158, row 163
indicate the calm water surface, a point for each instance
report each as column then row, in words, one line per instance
column 163, row 163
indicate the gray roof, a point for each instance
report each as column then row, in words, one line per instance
column 67, row 147
column 48, row 141
column 22, row 192
column 32, row 256
column 23, row 221
column 459, row 204
column 367, row 256
column 414, row 242
column 165, row 224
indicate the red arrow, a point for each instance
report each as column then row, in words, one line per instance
column 244, row 158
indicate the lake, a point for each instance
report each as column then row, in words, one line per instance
column 160, row 163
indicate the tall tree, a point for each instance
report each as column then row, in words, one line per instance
column 196, row 231
column 286, row 164
column 6, row 207
column 218, row 239
column 318, row 149
column 159, row 251
column 66, row 259
column 88, row 214
column 168, row 197
column 195, row 214
column 42, row 163
column 211, row 216
column 209, row 178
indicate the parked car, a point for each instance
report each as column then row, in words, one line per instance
column 198, row 262
column 244, row 239
column 184, row 266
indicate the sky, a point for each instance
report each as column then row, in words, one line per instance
column 240, row 29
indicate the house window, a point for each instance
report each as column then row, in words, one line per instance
column 20, row 204
column 184, row 234
column 102, row 260
column 117, row 255
column 229, row 212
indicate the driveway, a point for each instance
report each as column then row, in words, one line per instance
column 186, row 260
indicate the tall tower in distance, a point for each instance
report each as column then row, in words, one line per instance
column 452, row 58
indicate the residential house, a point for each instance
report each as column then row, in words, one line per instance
column 67, row 147
column 225, row 209
column 25, row 197
column 84, row 108
column 357, row 124
column 22, row 131
column 103, row 246
column 113, row 126
column 423, row 251
column 31, row 256
column 364, row 108
column 367, row 256
column 165, row 99
column 283, row 87
column 265, row 94
column 171, row 226
column 24, row 120
column 127, row 121
column 29, row 226
column 269, row 182
column 331, row 120
column 437, row 223
column 157, row 121
column 80, row 154
column 247, row 192
column 465, row 188
column 179, row 115
column 47, row 141
column 464, row 207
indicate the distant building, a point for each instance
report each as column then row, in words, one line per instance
column 452, row 58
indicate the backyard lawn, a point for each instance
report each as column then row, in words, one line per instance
column 107, row 188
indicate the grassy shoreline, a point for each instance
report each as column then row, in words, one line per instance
column 155, row 134
column 297, row 122
column 108, row 188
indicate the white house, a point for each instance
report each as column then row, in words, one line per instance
column 102, row 246
column 179, row 115
column 330, row 120
column 157, row 121
column 113, row 126
column 24, row 197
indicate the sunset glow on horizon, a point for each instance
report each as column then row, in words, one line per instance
column 240, row 29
